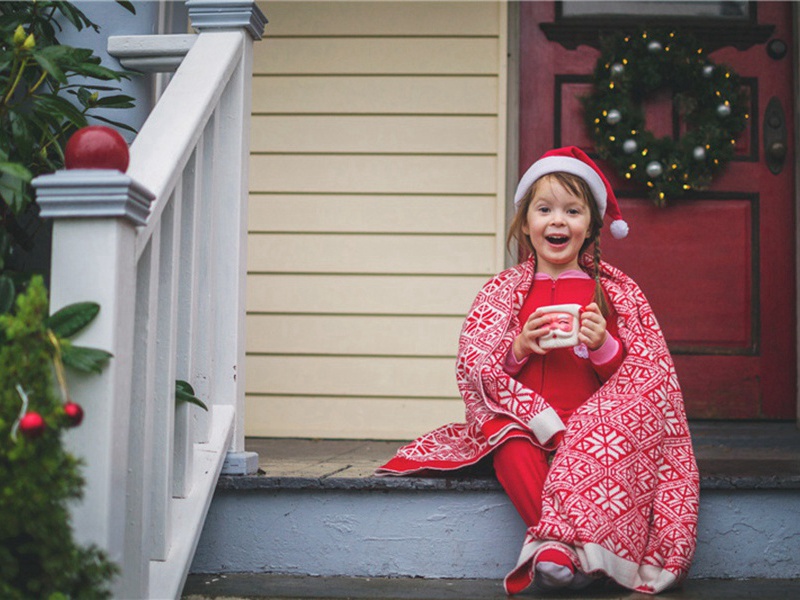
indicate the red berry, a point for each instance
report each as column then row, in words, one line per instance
column 32, row 425
column 96, row 147
column 74, row 413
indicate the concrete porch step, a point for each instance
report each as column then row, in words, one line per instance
column 316, row 510
column 293, row 587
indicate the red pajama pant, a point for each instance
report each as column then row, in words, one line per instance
column 521, row 469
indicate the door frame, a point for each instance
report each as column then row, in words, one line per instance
column 796, row 88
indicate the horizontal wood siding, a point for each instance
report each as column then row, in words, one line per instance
column 376, row 211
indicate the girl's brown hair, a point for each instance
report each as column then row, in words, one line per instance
column 577, row 187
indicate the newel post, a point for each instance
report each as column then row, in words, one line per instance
column 231, row 189
column 96, row 209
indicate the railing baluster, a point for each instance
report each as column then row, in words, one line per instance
column 164, row 400
column 187, row 309
column 137, row 539
column 149, row 381
column 204, row 331
column 231, row 271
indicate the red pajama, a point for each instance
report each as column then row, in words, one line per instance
column 521, row 468
column 565, row 377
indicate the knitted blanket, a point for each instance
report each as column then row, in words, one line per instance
column 623, row 488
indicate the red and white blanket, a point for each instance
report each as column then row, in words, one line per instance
column 623, row 488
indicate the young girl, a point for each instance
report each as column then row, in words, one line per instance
column 620, row 495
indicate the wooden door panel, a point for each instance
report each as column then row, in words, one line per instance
column 711, row 392
column 717, row 266
column 701, row 293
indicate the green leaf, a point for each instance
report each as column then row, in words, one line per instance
column 75, row 16
column 184, row 386
column 16, row 170
column 7, row 293
column 23, row 132
column 85, row 360
column 84, row 96
column 114, row 123
column 93, row 87
column 62, row 107
column 119, row 101
column 127, row 6
column 185, row 393
column 69, row 320
column 46, row 62
column 97, row 71
column 14, row 194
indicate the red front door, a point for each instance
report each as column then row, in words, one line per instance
column 718, row 267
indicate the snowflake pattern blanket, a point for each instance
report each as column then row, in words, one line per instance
column 622, row 492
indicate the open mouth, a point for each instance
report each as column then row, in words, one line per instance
column 557, row 240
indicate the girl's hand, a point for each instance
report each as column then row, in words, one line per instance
column 593, row 327
column 527, row 342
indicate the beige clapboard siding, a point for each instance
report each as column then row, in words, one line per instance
column 357, row 294
column 354, row 335
column 368, row 253
column 369, row 174
column 402, row 377
column 348, row 418
column 431, row 95
column 385, row 18
column 400, row 56
column 372, row 213
column 377, row 186
column 374, row 134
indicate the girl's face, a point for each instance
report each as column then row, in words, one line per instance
column 558, row 223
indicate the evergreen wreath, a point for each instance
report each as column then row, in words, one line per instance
column 709, row 98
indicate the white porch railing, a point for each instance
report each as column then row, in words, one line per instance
column 162, row 250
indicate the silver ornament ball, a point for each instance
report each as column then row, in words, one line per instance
column 723, row 110
column 655, row 46
column 654, row 169
column 617, row 69
column 699, row 153
column 708, row 71
column 613, row 117
column 629, row 146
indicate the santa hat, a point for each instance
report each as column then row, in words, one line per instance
column 575, row 161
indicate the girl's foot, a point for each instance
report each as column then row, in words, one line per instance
column 554, row 569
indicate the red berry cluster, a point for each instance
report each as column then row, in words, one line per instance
column 32, row 425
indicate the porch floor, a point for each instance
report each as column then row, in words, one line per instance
column 753, row 455
column 293, row 587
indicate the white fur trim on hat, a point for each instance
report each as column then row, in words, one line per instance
column 566, row 164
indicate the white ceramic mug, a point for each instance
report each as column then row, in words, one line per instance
column 564, row 325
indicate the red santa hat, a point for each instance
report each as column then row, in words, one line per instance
column 575, row 161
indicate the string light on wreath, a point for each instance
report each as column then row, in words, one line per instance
column 709, row 99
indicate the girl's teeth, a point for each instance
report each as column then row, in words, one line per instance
column 556, row 239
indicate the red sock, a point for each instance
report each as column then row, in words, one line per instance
column 554, row 555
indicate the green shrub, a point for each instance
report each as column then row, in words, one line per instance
column 38, row 478
column 47, row 92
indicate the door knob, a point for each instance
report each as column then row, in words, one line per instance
column 774, row 135
column 777, row 151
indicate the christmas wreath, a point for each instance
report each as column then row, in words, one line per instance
column 709, row 99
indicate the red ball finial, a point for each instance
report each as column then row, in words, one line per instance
column 96, row 147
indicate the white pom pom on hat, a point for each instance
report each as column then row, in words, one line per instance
column 572, row 159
